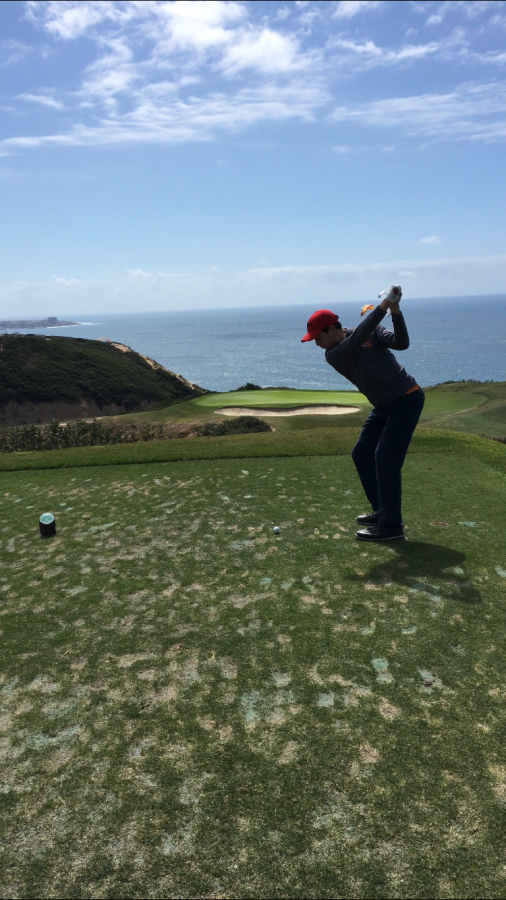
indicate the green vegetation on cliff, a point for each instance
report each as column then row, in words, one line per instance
column 42, row 369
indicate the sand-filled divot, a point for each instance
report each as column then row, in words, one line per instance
column 294, row 411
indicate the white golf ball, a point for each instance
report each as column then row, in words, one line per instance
column 276, row 529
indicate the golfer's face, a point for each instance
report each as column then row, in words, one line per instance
column 324, row 340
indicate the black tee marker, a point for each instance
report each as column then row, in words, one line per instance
column 47, row 525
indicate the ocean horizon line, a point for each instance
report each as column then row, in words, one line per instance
column 207, row 309
column 457, row 339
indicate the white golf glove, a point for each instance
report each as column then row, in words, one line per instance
column 393, row 294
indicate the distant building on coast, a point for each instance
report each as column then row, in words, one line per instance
column 50, row 322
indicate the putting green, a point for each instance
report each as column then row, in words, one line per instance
column 437, row 403
column 192, row 706
column 475, row 408
column 281, row 398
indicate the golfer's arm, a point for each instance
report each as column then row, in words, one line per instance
column 342, row 352
column 399, row 338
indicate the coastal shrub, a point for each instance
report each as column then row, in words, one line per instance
column 241, row 425
column 466, row 381
column 81, row 433
column 57, row 436
column 249, row 386
column 500, row 440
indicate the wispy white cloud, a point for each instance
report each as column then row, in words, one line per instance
column 14, row 51
column 189, row 69
column 433, row 239
column 470, row 8
column 437, row 17
column 112, row 74
column 347, row 9
column 67, row 19
column 125, row 95
column 325, row 284
column 43, row 99
column 472, row 112
column 493, row 57
column 195, row 25
column 283, row 13
column 364, row 54
column 358, row 270
column 425, row 277
column 68, row 282
column 497, row 21
column 175, row 120
column 267, row 51
column 136, row 273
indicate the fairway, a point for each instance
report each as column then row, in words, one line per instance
column 194, row 707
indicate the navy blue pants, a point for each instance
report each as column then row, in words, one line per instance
column 380, row 452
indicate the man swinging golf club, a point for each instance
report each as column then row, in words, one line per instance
column 363, row 355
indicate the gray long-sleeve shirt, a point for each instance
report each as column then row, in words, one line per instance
column 365, row 358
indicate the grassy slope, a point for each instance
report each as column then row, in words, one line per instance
column 489, row 418
column 315, row 442
column 192, row 707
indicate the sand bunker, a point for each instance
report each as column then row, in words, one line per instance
column 293, row 411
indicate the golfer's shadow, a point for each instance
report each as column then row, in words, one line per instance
column 428, row 568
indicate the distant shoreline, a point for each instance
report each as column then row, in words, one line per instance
column 51, row 322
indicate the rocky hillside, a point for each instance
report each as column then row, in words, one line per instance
column 45, row 377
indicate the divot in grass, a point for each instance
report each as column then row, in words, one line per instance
column 288, row 754
column 368, row 754
column 325, row 700
column 281, row 678
column 429, row 680
column 381, row 667
column 249, row 703
column 388, row 710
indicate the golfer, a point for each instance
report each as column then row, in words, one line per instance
column 363, row 355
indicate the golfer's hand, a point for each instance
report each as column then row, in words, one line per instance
column 392, row 298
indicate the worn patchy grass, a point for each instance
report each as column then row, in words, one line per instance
column 193, row 707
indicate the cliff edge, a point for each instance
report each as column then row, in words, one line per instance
column 47, row 377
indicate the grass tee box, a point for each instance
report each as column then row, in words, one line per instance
column 195, row 707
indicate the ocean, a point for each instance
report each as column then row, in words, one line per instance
column 221, row 349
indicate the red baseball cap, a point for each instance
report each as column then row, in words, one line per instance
column 317, row 322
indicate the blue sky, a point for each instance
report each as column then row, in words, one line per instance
column 182, row 155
